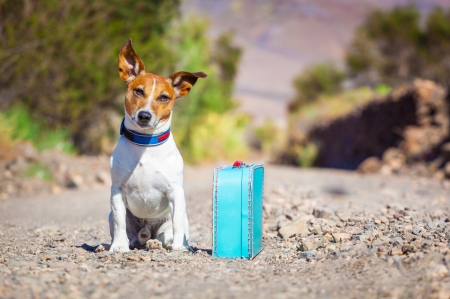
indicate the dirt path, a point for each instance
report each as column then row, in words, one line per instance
column 369, row 237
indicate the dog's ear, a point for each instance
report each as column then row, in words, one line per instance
column 130, row 65
column 182, row 82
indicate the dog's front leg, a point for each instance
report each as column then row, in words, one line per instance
column 119, row 240
column 178, row 207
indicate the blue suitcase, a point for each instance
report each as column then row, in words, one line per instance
column 237, row 210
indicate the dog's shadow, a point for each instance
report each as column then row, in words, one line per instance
column 106, row 247
column 93, row 249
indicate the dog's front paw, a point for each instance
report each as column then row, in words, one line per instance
column 119, row 247
column 153, row 244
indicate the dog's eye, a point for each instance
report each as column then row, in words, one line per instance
column 139, row 92
column 163, row 98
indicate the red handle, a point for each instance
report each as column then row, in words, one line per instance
column 238, row 163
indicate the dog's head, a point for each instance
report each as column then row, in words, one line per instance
column 150, row 98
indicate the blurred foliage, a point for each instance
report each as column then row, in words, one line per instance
column 330, row 107
column 393, row 46
column 307, row 154
column 202, row 125
column 217, row 136
column 17, row 124
column 59, row 58
column 40, row 171
column 268, row 138
column 320, row 79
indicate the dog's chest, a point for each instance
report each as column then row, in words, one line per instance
column 147, row 191
column 151, row 175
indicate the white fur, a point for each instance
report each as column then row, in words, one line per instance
column 148, row 181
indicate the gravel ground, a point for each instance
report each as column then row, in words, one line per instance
column 327, row 234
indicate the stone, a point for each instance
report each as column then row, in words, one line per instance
column 133, row 258
column 296, row 227
column 384, row 220
column 447, row 170
column 341, row 237
column 103, row 177
column 312, row 244
column 335, row 254
column 369, row 226
column 62, row 257
column 370, row 165
column 359, row 238
column 343, row 216
column 330, row 248
column 323, row 212
column 309, row 255
column 346, row 247
column 416, row 230
column 396, row 251
column 431, row 225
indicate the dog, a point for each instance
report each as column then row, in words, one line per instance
column 148, row 207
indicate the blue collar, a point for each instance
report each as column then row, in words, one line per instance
column 144, row 139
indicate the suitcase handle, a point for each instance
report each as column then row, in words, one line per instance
column 239, row 164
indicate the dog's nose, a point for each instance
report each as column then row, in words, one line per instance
column 144, row 116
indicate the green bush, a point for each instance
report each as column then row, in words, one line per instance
column 17, row 124
column 392, row 46
column 37, row 170
column 59, row 58
column 320, row 79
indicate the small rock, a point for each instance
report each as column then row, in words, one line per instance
column 431, row 225
column 309, row 255
column 416, row 230
column 102, row 177
column 396, row 251
column 346, row 247
column 369, row 226
column 75, row 180
column 335, row 254
column 447, row 170
column 297, row 227
column 133, row 258
column 46, row 258
column 312, row 244
column 342, row 215
column 359, row 237
column 397, row 216
column 330, row 248
column 370, row 165
column 323, row 212
column 341, row 237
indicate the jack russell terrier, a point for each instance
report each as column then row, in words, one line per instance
column 148, row 208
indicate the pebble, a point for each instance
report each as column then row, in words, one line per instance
column 309, row 255
column 323, row 212
column 416, row 230
column 133, row 258
column 396, row 251
column 431, row 225
column 297, row 227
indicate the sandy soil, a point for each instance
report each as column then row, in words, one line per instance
column 363, row 237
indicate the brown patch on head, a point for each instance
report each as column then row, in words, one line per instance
column 163, row 99
column 146, row 89
column 146, row 85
